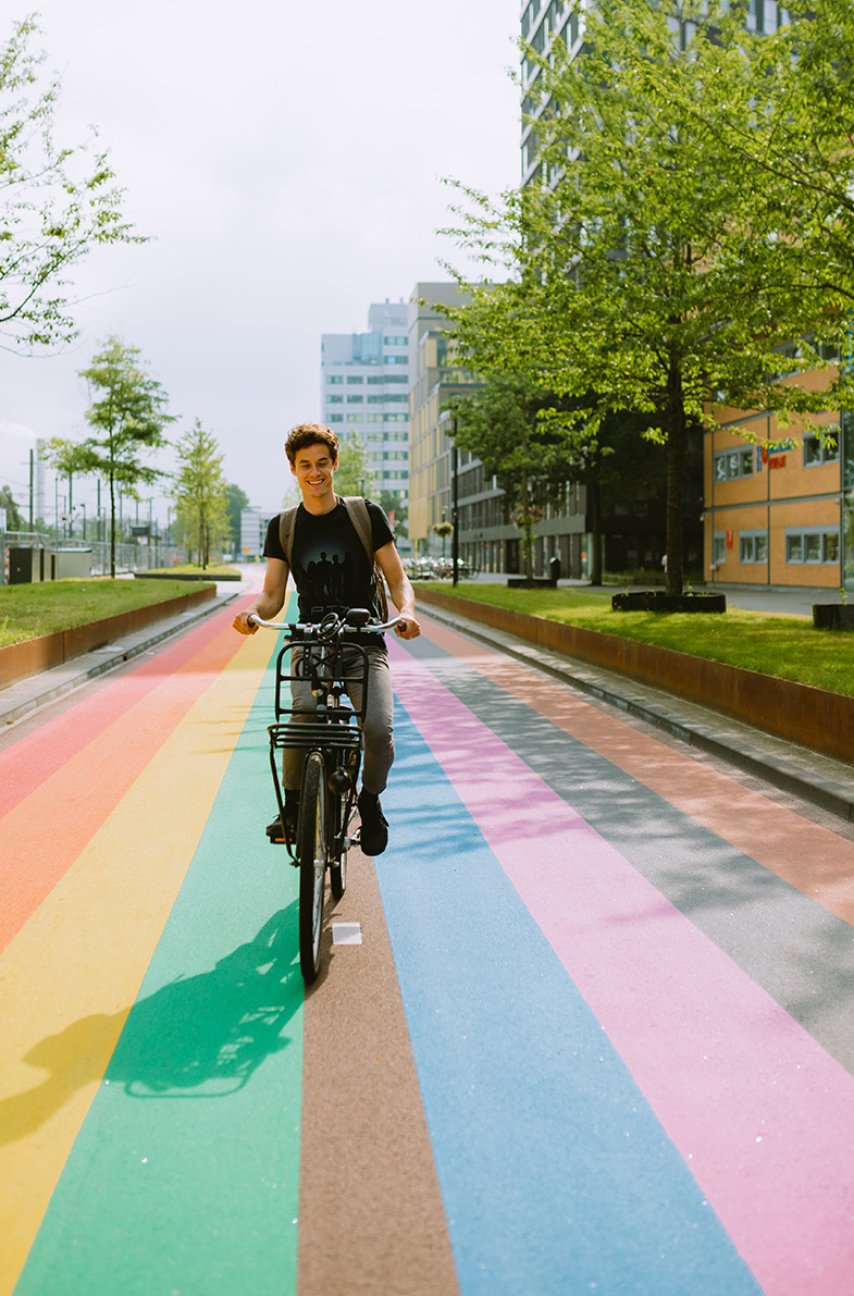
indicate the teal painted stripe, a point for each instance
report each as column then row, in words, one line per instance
column 184, row 1178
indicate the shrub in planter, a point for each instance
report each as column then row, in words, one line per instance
column 659, row 601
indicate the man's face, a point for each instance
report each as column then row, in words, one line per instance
column 314, row 468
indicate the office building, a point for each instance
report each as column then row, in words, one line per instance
column 365, row 397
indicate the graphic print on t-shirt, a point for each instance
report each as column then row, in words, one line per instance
column 326, row 576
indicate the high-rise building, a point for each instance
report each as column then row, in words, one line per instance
column 365, row 397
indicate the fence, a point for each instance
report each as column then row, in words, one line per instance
column 130, row 556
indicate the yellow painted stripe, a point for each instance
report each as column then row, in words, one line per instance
column 69, row 979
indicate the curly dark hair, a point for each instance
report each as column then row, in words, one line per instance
column 306, row 434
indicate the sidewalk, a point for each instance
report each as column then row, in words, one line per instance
column 26, row 695
column 818, row 779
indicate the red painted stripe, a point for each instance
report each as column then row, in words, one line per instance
column 763, row 1116
column 46, row 830
column 27, row 762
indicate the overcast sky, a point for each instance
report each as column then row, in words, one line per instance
column 287, row 161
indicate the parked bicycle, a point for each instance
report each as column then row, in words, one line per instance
column 330, row 738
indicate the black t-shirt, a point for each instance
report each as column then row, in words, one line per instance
column 329, row 564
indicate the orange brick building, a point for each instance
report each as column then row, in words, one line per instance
column 776, row 508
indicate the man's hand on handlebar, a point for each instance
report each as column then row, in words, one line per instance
column 407, row 628
column 242, row 623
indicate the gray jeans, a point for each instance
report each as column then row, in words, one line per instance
column 377, row 726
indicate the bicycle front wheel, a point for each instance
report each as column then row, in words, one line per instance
column 311, row 854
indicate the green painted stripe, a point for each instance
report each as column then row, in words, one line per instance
column 184, row 1178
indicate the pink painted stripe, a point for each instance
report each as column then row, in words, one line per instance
column 763, row 1116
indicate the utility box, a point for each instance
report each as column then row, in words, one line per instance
column 68, row 563
column 27, row 566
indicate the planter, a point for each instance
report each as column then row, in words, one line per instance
column 833, row 616
column 659, row 601
column 536, row 582
column 187, row 576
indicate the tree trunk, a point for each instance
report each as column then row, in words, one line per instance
column 675, row 457
column 112, row 524
column 594, row 509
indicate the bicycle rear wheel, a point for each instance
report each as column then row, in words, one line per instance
column 311, row 853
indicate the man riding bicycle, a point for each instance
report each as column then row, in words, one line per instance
column 330, row 546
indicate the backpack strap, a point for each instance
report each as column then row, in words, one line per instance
column 287, row 528
column 357, row 512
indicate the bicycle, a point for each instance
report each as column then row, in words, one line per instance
column 331, row 738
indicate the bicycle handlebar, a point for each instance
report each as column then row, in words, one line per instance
column 311, row 628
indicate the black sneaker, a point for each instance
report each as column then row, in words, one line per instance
column 374, row 835
column 274, row 828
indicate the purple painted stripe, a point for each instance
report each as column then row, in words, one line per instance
column 763, row 1116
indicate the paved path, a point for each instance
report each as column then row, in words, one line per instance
column 596, row 1037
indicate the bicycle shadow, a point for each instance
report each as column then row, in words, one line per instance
column 202, row 1036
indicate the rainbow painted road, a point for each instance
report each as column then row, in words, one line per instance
column 597, row 1036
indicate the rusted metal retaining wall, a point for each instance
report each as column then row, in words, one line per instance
column 34, row 655
column 812, row 717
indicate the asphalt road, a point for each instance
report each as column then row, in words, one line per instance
column 595, row 1038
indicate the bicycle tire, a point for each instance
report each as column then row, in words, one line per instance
column 311, row 854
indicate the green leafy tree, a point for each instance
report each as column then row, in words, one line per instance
column 648, row 272
column 56, row 203
column 393, row 502
column 14, row 517
column 237, row 501
column 201, row 492
column 500, row 422
column 127, row 417
column 353, row 476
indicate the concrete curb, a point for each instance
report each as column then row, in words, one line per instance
column 28, row 694
column 818, row 779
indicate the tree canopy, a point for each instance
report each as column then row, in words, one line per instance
column 56, row 202
column 646, row 270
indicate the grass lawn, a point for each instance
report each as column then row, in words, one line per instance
column 785, row 646
column 27, row 611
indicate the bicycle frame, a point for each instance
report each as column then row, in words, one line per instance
column 333, row 726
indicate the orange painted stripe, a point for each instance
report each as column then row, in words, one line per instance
column 810, row 858
column 27, row 762
column 44, row 833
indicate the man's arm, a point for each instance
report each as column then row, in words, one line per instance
column 269, row 601
column 402, row 593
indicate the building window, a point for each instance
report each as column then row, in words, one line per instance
column 336, row 418
column 358, row 379
column 334, row 378
column 753, row 546
column 396, row 341
column 334, row 400
column 812, row 545
column 719, row 548
column 731, row 464
column 817, row 453
column 355, row 400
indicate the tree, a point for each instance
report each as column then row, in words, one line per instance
column 128, row 417
column 500, row 423
column 353, row 476
column 649, row 272
column 236, row 501
column 56, row 203
column 14, row 517
column 200, row 492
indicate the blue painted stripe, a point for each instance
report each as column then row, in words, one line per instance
column 556, row 1175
